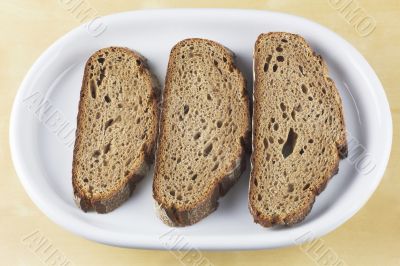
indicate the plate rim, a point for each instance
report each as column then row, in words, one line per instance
column 203, row 242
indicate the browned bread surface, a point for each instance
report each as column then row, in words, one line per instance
column 204, row 126
column 298, row 129
column 116, row 129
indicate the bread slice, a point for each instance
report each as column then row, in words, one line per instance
column 204, row 126
column 116, row 129
column 299, row 132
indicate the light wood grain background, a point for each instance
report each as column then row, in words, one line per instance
column 27, row 28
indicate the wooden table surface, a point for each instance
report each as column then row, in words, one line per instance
column 371, row 237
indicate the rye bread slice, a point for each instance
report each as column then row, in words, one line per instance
column 204, row 126
column 116, row 129
column 298, row 129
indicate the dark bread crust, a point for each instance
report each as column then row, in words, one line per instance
column 191, row 214
column 341, row 145
column 295, row 217
column 119, row 194
column 176, row 217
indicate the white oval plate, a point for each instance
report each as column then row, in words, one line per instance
column 45, row 109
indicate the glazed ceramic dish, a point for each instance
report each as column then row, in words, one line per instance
column 43, row 121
